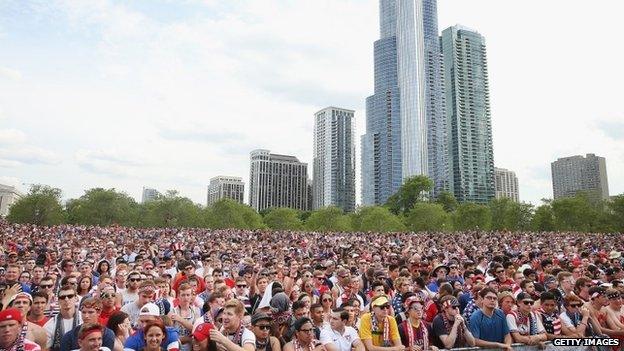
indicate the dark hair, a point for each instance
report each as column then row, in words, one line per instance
column 483, row 292
column 344, row 314
column 297, row 305
column 301, row 322
column 40, row 294
column 545, row 296
column 86, row 328
column 155, row 323
column 115, row 320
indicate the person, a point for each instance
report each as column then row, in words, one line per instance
column 184, row 316
column 154, row 333
column 90, row 313
column 488, row 324
column 524, row 324
column 550, row 317
column 12, row 333
column 233, row 336
column 449, row 327
column 414, row 331
column 146, row 293
column 119, row 323
column 108, row 297
column 378, row 329
column 304, row 337
column 576, row 321
column 150, row 313
column 36, row 314
column 67, row 319
column 596, row 305
column 337, row 336
column 261, row 327
column 23, row 302
column 131, row 292
column 90, row 338
column 507, row 302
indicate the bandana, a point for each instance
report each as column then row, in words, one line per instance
column 386, row 329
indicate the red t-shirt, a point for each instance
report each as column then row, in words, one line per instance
column 40, row 322
column 202, row 332
column 104, row 316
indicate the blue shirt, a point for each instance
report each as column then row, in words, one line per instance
column 136, row 341
column 492, row 329
column 70, row 339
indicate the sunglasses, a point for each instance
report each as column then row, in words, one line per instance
column 66, row 297
column 500, row 271
column 108, row 295
column 384, row 307
column 46, row 286
column 328, row 300
column 528, row 302
column 135, row 279
column 575, row 305
column 264, row 327
column 242, row 286
column 311, row 330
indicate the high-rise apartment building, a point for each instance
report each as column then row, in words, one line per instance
column 8, row 196
column 469, row 125
column 149, row 194
column 333, row 159
column 405, row 132
column 506, row 184
column 277, row 181
column 574, row 174
column 225, row 187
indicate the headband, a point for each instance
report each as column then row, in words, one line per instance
column 91, row 331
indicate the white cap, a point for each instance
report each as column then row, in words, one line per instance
column 150, row 309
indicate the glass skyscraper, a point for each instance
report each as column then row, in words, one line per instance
column 471, row 159
column 405, row 130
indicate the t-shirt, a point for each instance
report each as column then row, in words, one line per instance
column 343, row 341
column 248, row 337
column 128, row 297
column 70, row 339
column 136, row 341
column 524, row 328
column 367, row 333
column 49, row 327
column 486, row 328
column 439, row 328
column 31, row 346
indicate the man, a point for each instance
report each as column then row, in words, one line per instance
column 261, row 327
column 66, row 320
column 10, row 332
column 449, row 327
column 120, row 280
column 373, row 326
column 209, row 282
column 90, row 338
column 403, row 286
column 504, row 282
column 146, row 292
column 549, row 314
column 36, row 314
column 108, row 297
column 318, row 320
column 565, row 283
column 68, row 266
column 47, row 287
column 343, row 280
column 488, row 324
column 131, row 294
column 233, row 335
column 188, row 270
column 149, row 313
column 524, row 325
column 596, row 306
column 241, row 293
column 184, row 316
column 90, row 313
column 37, row 274
column 337, row 336
column 12, row 276
column 438, row 276
column 23, row 301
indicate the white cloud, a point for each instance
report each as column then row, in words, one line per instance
column 11, row 136
column 9, row 73
column 27, row 155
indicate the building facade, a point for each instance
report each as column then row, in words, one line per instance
column 8, row 196
column 225, row 187
column 277, row 181
column 149, row 194
column 506, row 184
column 333, row 159
column 574, row 174
column 405, row 132
column 469, row 124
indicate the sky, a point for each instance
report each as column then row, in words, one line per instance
column 169, row 93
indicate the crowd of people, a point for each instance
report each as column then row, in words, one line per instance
column 114, row 288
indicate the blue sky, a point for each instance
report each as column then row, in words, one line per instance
column 168, row 94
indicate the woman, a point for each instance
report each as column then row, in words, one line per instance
column 303, row 339
column 414, row 332
column 327, row 301
column 25, row 277
column 261, row 327
column 308, row 288
column 305, row 298
column 85, row 283
column 154, row 334
column 119, row 323
column 103, row 267
column 507, row 302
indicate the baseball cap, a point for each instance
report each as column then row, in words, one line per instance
column 524, row 296
column 11, row 314
column 380, row 301
column 150, row 309
column 21, row 295
column 259, row 316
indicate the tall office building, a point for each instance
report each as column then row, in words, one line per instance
column 225, row 187
column 8, row 196
column 149, row 194
column 405, row 133
column 333, row 159
column 506, row 184
column 471, row 155
column 277, row 181
column 574, row 174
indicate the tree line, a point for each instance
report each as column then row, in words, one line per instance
column 410, row 209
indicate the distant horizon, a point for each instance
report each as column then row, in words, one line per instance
column 163, row 95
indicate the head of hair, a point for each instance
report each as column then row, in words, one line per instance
column 91, row 302
column 299, row 323
column 483, row 292
column 546, row 295
column 40, row 294
column 563, row 275
column 115, row 320
column 344, row 314
column 88, row 328
column 315, row 306
column 298, row 305
column 155, row 323
column 236, row 305
column 571, row 298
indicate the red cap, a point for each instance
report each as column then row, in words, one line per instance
column 11, row 314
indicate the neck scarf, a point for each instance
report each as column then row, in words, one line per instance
column 59, row 330
column 18, row 345
column 238, row 335
column 421, row 334
column 208, row 318
column 386, row 329
column 298, row 346
column 448, row 326
column 527, row 319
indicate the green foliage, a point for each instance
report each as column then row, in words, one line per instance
column 328, row 219
column 283, row 219
column 227, row 213
column 428, row 217
column 616, row 211
column 375, row 219
column 41, row 206
column 448, row 201
column 471, row 216
column 103, row 207
column 573, row 213
column 543, row 219
column 413, row 190
column 510, row 215
column 171, row 210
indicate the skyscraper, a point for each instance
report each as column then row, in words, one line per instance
column 8, row 196
column 149, row 194
column 574, row 174
column 405, row 132
column 334, row 159
column 506, row 184
column 469, row 125
column 277, row 181
column 225, row 187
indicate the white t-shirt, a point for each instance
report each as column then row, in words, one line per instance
column 565, row 320
column 525, row 328
column 68, row 325
column 128, row 297
column 248, row 337
column 344, row 341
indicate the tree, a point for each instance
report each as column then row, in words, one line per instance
column 103, row 207
column 41, row 206
column 413, row 190
column 544, row 219
column 328, row 219
column 171, row 210
column 426, row 217
column 510, row 215
column 375, row 219
column 616, row 209
column 573, row 213
column 283, row 219
column 227, row 213
column 448, row 201
column 471, row 216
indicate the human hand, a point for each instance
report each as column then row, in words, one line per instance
column 459, row 319
column 216, row 336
